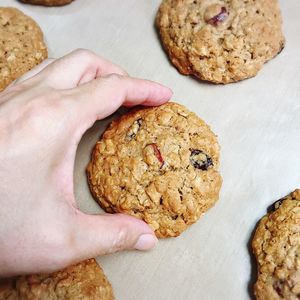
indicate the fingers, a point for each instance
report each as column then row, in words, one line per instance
column 103, row 96
column 78, row 67
column 101, row 234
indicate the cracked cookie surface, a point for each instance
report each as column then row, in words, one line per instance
column 159, row 164
column 220, row 41
column 85, row 281
column 276, row 245
column 48, row 2
column 21, row 45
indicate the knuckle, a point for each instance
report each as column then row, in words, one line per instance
column 114, row 78
column 89, row 57
column 120, row 240
column 84, row 53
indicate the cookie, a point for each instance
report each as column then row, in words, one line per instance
column 48, row 2
column 159, row 164
column 276, row 245
column 221, row 41
column 85, row 281
column 21, row 45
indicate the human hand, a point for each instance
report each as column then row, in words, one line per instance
column 42, row 120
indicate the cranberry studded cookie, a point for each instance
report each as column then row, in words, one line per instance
column 48, row 2
column 220, row 41
column 21, row 45
column 84, row 281
column 276, row 245
column 159, row 164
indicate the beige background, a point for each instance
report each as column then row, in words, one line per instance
column 258, row 125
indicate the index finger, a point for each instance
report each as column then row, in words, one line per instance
column 103, row 96
column 78, row 67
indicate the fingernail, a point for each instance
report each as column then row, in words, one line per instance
column 146, row 242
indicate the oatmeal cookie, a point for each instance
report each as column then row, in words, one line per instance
column 276, row 245
column 220, row 41
column 159, row 164
column 84, row 281
column 21, row 45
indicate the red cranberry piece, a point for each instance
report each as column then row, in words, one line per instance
column 278, row 287
column 157, row 153
column 216, row 14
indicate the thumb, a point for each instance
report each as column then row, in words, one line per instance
column 101, row 234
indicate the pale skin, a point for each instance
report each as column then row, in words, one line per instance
column 42, row 119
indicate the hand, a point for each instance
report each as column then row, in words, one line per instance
column 42, row 119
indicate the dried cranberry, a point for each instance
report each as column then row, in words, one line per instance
column 157, row 154
column 220, row 17
column 200, row 160
column 278, row 287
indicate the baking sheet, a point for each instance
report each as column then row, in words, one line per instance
column 258, row 125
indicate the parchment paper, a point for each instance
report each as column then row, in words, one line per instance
column 258, row 125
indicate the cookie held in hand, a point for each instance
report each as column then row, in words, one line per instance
column 220, row 41
column 159, row 164
column 276, row 245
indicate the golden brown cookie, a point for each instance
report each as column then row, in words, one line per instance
column 276, row 245
column 159, row 164
column 220, row 41
column 21, row 45
column 48, row 2
column 84, row 281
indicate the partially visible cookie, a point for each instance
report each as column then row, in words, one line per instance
column 220, row 41
column 159, row 164
column 84, row 281
column 276, row 245
column 21, row 45
column 48, row 2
